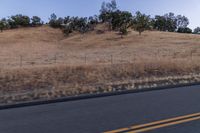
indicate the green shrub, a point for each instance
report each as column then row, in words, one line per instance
column 36, row 21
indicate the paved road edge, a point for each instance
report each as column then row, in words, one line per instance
column 91, row 96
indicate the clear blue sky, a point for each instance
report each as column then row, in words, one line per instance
column 43, row 8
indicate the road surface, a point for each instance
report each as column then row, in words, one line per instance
column 164, row 111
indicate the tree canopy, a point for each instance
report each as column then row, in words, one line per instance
column 141, row 22
column 115, row 19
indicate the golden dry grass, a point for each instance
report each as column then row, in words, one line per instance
column 54, row 65
column 26, row 84
column 39, row 46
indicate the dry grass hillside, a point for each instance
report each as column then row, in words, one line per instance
column 42, row 63
column 44, row 45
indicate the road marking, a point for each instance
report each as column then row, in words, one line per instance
column 164, row 125
column 118, row 130
column 158, row 124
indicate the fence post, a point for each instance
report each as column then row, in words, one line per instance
column 158, row 54
column 121, row 58
column 85, row 59
column 130, row 59
column 111, row 59
column 20, row 60
column 55, row 59
column 191, row 54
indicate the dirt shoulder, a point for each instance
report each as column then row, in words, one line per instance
column 44, row 83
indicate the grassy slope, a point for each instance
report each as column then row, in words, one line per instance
column 153, row 57
column 39, row 46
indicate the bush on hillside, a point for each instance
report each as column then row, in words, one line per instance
column 197, row 30
column 20, row 20
column 55, row 22
column 36, row 21
column 3, row 24
column 184, row 30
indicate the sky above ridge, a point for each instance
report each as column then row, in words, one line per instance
column 61, row 8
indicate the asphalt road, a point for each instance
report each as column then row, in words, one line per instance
column 107, row 113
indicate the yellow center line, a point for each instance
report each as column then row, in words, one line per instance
column 155, row 123
column 164, row 125
column 118, row 130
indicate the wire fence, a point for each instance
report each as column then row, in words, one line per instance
column 36, row 60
